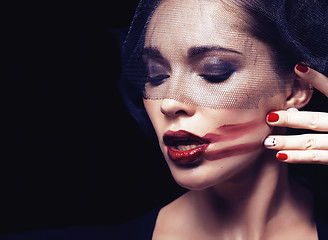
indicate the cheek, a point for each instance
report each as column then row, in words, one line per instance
column 245, row 128
column 153, row 110
column 273, row 103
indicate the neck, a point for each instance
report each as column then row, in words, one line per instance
column 255, row 201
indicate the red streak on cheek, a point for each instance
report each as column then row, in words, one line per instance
column 233, row 151
column 213, row 137
column 233, row 131
column 241, row 126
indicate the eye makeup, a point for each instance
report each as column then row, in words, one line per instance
column 215, row 70
column 157, row 71
column 206, row 76
column 205, row 61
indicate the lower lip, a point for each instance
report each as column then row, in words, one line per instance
column 186, row 157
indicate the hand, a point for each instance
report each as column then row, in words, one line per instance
column 306, row 148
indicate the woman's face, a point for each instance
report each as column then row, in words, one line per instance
column 210, row 87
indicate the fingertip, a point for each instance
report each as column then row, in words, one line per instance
column 270, row 142
column 282, row 156
column 292, row 109
column 272, row 117
column 302, row 68
column 306, row 72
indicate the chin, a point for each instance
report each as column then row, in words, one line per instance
column 207, row 174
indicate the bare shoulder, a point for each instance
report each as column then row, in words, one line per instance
column 172, row 219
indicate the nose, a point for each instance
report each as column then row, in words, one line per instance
column 173, row 108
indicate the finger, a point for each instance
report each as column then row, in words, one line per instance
column 305, row 156
column 316, row 79
column 298, row 142
column 317, row 121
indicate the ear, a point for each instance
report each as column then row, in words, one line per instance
column 299, row 95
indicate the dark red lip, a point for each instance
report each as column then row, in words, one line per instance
column 173, row 139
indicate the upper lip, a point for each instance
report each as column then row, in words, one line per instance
column 173, row 138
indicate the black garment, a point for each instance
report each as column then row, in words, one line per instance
column 322, row 228
column 140, row 229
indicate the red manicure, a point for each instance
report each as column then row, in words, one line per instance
column 302, row 68
column 282, row 156
column 273, row 117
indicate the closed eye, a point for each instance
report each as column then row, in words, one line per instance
column 157, row 71
column 217, row 78
column 157, row 80
column 217, row 72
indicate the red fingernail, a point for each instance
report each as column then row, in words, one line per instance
column 282, row 156
column 302, row 68
column 273, row 117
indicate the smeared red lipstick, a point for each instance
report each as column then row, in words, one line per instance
column 177, row 143
column 233, row 131
column 186, row 148
column 233, row 151
column 242, row 127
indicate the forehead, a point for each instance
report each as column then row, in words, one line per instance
column 185, row 23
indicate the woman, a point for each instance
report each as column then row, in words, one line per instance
column 216, row 79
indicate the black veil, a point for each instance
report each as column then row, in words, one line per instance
column 296, row 29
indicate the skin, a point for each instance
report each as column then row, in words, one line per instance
column 245, row 196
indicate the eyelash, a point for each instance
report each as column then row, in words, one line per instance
column 157, row 80
column 217, row 78
column 221, row 72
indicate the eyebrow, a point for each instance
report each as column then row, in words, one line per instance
column 153, row 53
column 196, row 51
column 192, row 52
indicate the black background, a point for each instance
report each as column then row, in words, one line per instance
column 75, row 155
